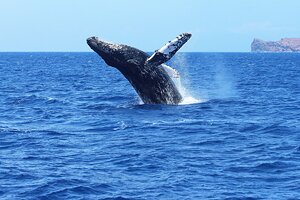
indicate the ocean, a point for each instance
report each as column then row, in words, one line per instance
column 73, row 128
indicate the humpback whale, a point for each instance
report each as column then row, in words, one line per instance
column 149, row 76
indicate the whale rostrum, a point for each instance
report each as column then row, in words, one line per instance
column 147, row 74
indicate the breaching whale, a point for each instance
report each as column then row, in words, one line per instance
column 148, row 75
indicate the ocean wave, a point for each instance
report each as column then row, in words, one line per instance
column 73, row 128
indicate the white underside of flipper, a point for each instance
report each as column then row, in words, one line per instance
column 166, row 52
column 175, row 44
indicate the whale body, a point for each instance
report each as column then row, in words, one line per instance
column 147, row 74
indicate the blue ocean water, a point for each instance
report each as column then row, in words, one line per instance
column 73, row 128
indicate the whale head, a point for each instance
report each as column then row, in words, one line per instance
column 117, row 55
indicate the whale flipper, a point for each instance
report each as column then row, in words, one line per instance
column 166, row 52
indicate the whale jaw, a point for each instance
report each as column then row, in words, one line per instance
column 117, row 55
column 108, row 51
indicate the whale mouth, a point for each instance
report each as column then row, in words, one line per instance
column 92, row 39
column 109, row 52
column 99, row 46
column 93, row 42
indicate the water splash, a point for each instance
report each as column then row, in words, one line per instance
column 180, row 62
column 221, row 84
column 224, row 83
column 187, row 97
column 183, row 82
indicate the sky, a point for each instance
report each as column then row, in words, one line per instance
column 216, row 25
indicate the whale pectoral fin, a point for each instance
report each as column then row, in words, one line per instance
column 165, row 53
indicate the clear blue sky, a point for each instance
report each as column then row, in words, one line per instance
column 217, row 25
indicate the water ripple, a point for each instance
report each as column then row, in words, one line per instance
column 73, row 128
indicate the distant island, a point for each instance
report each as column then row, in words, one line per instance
column 283, row 45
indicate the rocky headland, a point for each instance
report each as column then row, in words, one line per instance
column 283, row 45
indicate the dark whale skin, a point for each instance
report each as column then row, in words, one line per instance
column 150, row 81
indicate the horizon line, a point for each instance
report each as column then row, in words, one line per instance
column 145, row 51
